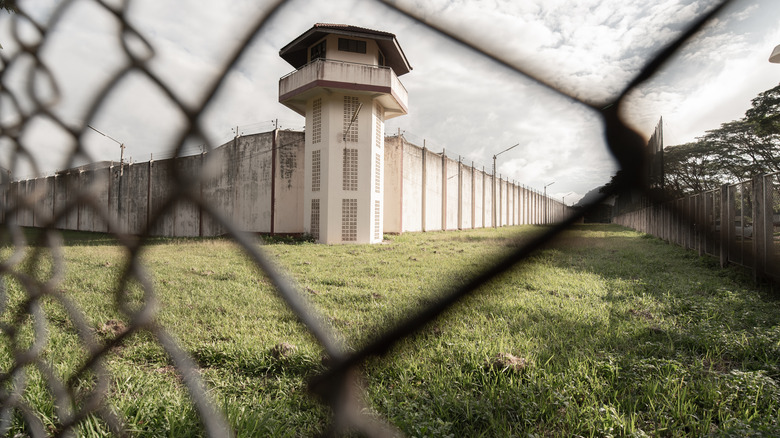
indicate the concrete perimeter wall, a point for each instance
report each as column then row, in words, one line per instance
column 427, row 191
column 255, row 182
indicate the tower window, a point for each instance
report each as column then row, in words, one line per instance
column 317, row 51
column 377, row 173
column 316, row 121
column 350, row 169
column 315, row 219
column 315, row 170
column 377, row 221
column 348, row 45
column 349, row 220
column 378, row 123
column 351, row 104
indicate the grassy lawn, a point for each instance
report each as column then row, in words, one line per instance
column 610, row 333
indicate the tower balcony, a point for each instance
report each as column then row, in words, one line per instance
column 296, row 88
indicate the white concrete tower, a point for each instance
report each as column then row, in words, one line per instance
column 346, row 85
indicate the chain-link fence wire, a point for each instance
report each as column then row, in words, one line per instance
column 338, row 387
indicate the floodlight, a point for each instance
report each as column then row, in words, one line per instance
column 775, row 56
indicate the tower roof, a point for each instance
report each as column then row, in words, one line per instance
column 296, row 54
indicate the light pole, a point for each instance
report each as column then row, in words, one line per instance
column 563, row 201
column 545, row 202
column 494, row 180
column 563, row 198
column 121, row 147
column 121, row 170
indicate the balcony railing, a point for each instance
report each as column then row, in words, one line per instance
column 332, row 71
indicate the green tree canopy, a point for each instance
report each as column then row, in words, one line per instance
column 736, row 151
column 765, row 113
column 8, row 5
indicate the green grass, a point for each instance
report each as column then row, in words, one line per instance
column 621, row 334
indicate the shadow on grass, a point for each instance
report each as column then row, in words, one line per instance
column 665, row 301
column 33, row 237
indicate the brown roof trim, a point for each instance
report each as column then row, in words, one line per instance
column 349, row 27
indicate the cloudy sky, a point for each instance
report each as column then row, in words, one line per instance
column 459, row 99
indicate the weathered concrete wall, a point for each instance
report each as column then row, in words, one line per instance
column 186, row 213
column 250, row 174
column 57, row 194
column 249, row 169
column 453, row 193
column 133, row 203
column 113, row 198
column 288, row 199
column 257, row 183
column 433, row 191
column 393, row 186
column 412, row 190
column 26, row 215
column 237, row 178
column 95, row 184
column 160, row 184
column 506, row 205
column 44, row 204
column 440, row 193
column 67, row 191
column 489, row 187
column 169, row 213
column 521, row 205
column 466, row 204
column 479, row 199
column 216, row 190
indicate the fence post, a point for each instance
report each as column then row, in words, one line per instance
column 759, row 229
column 400, row 184
column 692, row 203
column 483, row 197
column 460, row 194
column 725, row 211
column 473, row 199
column 770, row 262
column 273, row 175
column 200, row 192
column 443, row 191
column 700, row 223
column 493, row 209
column 514, row 203
column 149, row 196
column 500, row 218
column 424, row 189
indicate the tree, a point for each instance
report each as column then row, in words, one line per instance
column 691, row 168
column 8, row 5
column 743, row 150
column 738, row 150
column 765, row 113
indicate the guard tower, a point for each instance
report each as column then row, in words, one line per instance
column 346, row 85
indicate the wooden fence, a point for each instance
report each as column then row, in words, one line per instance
column 749, row 237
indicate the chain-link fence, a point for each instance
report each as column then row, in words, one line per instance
column 73, row 405
column 748, row 236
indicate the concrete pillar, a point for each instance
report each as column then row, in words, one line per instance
column 424, row 186
column 443, row 191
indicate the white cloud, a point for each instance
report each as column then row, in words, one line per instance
column 459, row 100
